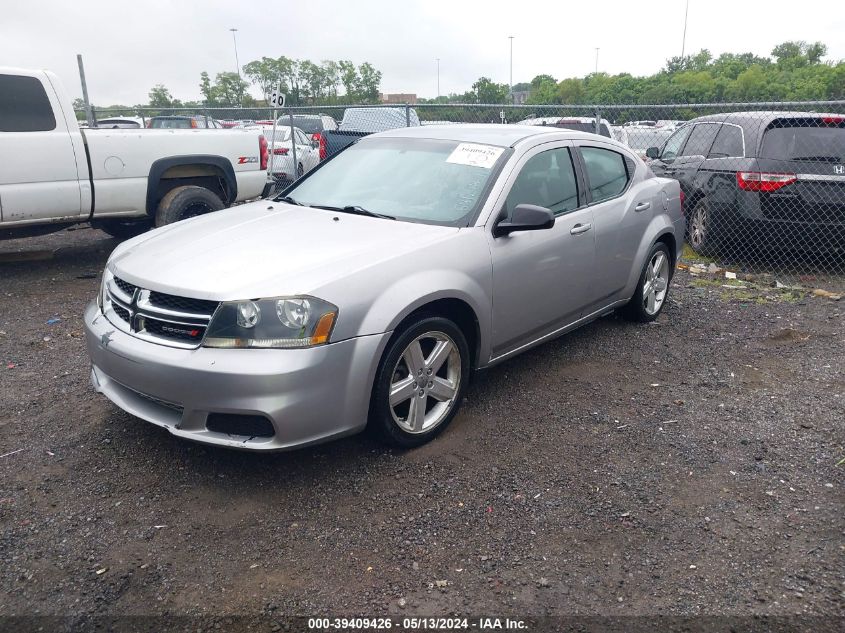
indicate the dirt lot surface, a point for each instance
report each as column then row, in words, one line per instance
column 685, row 467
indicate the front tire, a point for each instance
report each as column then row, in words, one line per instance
column 420, row 382
column 653, row 288
column 186, row 202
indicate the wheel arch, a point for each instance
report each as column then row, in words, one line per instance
column 456, row 310
column 212, row 172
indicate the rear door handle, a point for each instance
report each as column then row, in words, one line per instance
column 642, row 206
column 580, row 228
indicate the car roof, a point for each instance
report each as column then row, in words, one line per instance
column 506, row 135
column 757, row 116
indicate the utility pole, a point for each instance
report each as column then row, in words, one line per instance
column 684, row 40
column 438, row 77
column 510, row 37
column 237, row 65
column 597, row 59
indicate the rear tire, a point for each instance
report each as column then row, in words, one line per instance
column 653, row 288
column 429, row 357
column 702, row 231
column 186, row 202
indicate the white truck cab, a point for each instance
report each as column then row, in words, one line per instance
column 53, row 173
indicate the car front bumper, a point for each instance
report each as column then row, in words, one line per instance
column 308, row 395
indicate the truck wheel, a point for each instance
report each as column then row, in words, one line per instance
column 186, row 202
column 122, row 229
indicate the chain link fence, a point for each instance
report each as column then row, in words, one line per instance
column 764, row 183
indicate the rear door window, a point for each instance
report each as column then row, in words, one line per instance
column 606, row 172
column 24, row 105
column 700, row 139
column 728, row 142
column 815, row 141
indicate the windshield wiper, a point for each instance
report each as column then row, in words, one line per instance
column 355, row 210
column 289, row 200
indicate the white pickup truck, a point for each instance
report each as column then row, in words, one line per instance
column 52, row 173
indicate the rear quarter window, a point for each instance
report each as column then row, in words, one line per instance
column 813, row 141
column 24, row 105
column 607, row 172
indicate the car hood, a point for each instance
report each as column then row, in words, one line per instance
column 265, row 249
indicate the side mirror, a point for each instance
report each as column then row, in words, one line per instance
column 526, row 217
column 653, row 152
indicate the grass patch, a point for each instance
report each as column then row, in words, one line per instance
column 687, row 254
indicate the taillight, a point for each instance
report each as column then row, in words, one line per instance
column 323, row 151
column 832, row 120
column 262, row 151
column 683, row 199
column 193, row 122
column 763, row 181
column 150, row 123
column 280, row 151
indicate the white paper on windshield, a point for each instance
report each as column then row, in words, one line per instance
column 475, row 155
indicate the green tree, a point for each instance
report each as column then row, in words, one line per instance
column 348, row 78
column 369, row 82
column 485, row 90
column 160, row 97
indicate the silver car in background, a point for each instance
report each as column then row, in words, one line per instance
column 378, row 283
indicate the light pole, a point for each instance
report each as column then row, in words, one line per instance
column 510, row 85
column 237, row 65
column 597, row 60
column 684, row 40
column 438, row 77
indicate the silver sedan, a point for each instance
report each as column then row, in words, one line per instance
column 371, row 290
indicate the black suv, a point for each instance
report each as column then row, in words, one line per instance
column 776, row 179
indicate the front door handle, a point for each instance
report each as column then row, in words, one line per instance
column 642, row 206
column 580, row 228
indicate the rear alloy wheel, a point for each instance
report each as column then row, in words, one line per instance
column 701, row 230
column 653, row 287
column 420, row 382
column 186, row 202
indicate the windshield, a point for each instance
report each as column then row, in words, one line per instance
column 309, row 125
column 645, row 138
column 168, row 123
column 420, row 180
column 824, row 144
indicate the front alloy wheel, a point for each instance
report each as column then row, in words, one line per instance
column 420, row 381
column 425, row 382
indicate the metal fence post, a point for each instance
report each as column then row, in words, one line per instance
column 407, row 115
column 88, row 112
column 598, row 121
column 293, row 145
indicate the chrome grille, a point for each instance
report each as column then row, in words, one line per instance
column 155, row 316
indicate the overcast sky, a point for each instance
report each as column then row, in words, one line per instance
column 129, row 47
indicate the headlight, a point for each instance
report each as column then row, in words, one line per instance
column 283, row 322
column 101, row 296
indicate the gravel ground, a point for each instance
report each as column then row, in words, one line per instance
column 685, row 467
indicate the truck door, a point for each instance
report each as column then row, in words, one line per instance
column 39, row 177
